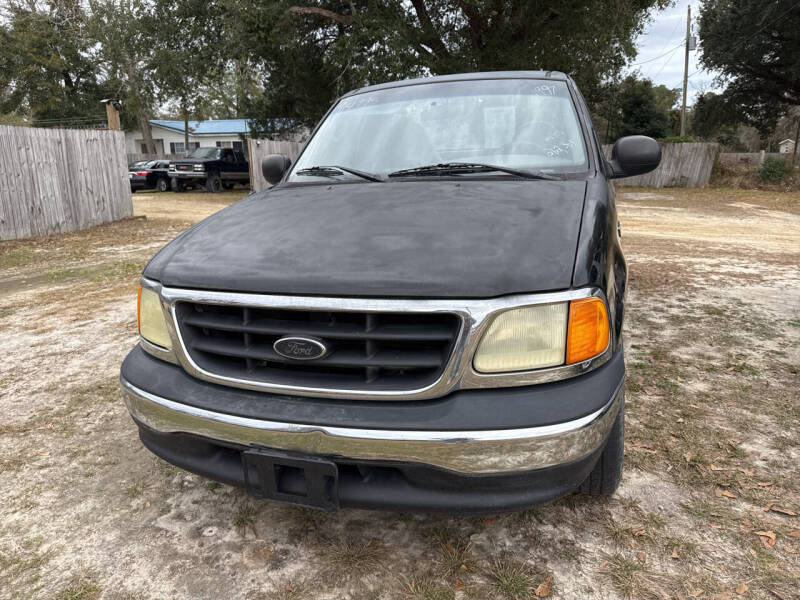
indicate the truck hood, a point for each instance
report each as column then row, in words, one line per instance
column 436, row 239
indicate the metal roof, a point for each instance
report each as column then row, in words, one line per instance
column 211, row 127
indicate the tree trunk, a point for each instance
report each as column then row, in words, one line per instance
column 144, row 117
column 796, row 142
column 185, row 127
column 147, row 132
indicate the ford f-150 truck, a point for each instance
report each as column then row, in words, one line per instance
column 211, row 168
column 423, row 313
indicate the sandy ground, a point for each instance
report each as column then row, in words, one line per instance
column 707, row 509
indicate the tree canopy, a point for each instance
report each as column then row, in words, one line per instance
column 755, row 46
column 288, row 58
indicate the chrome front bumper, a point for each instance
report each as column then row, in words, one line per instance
column 468, row 452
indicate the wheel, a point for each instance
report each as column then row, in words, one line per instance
column 178, row 186
column 607, row 473
column 162, row 185
column 228, row 185
column 213, row 183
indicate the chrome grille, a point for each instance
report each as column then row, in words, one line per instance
column 367, row 350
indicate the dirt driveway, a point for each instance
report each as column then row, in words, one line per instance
column 707, row 509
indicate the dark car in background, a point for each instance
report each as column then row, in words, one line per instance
column 211, row 168
column 149, row 175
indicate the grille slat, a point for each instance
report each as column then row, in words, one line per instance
column 366, row 350
column 433, row 332
column 396, row 359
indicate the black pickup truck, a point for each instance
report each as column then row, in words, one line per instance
column 423, row 313
column 211, row 168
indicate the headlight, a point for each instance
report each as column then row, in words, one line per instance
column 200, row 167
column 152, row 325
column 543, row 335
column 526, row 338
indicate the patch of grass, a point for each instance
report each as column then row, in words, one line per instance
column 455, row 558
column 427, row 589
column 512, row 578
column 352, row 557
column 245, row 518
column 631, row 578
column 79, row 589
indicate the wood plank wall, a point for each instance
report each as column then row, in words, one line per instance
column 58, row 180
column 258, row 149
column 682, row 165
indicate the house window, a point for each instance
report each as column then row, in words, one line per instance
column 176, row 148
column 144, row 148
column 193, row 146
column 238, row 146
column 224, row 144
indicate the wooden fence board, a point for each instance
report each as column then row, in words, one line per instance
column 258, row 149
column 682, row 165
column 59, row 180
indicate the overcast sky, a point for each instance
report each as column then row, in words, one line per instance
column 661, row 50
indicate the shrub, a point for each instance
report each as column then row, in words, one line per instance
column 773, row 170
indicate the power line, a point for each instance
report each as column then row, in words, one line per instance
column 657, row 57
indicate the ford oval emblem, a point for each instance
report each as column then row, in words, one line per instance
column 300, row 348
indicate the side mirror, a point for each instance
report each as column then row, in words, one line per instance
column 274, row 166
column 634, row 155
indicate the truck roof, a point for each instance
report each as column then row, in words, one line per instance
column 555, row 75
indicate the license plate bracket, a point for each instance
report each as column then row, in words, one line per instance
column 283, row 477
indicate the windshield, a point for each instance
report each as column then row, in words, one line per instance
column 204, row 153
column 518, row 123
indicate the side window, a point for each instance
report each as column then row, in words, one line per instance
column 227, row 155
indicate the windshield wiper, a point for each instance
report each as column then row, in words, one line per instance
column 465, row 167
column 334, row 171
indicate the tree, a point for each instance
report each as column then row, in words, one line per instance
column 46, row 63
column 313, row 51
column 755, row 45
column 641, row 108
column 123, row 33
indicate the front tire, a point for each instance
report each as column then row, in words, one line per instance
column 213, row 184
column 178, row 186
column 607, row 473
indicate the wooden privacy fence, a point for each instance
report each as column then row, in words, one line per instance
column 682, row 165
column 59, row 180
column 258, row 149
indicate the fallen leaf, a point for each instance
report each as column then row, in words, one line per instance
column 697, row 593
column 764, row 483
column 716, row 525
column 603, row 565
column 716, row 468
column 777, row 595
column 794, row 533
column 688, row 456
column 747, row 472
column 639, row 531
column 641, row 556
column 783, row 511
column 458, row 585
column 463, row 567
column 675, row 553
column 720, row 492
column 741, row 588
column 768, row 537
column 544, row 588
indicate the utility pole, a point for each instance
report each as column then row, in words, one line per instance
column 686, row 68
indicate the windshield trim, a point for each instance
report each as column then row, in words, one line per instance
column 578, row 105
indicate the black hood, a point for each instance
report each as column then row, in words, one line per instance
column 435, row 239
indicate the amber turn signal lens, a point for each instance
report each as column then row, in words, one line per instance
column 587, row 334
